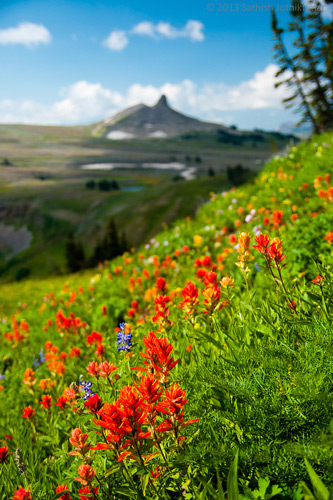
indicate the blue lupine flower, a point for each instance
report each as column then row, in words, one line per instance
column 124, row 341
column 86, row 388
column 257, row 267
column 37, row 361
column 42, row 356
column 1, row 376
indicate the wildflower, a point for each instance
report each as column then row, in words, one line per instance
column 94, row 403
column 89, row 491
column 319, row 280
column 100, row 351
column 275, row 253
column 197, row 240
column 157, row 355
column 21, row 467
column 329, row 237
column 173, row 406
column 75, row 352
column 61, row 488
column 124, row 340
column 104, row 312
column 21, row 494
column 28, row 412
column 80, row 443
column 292, row 305
column 86, row 473
column 189, row 347
column 277, row 218
column 212, row 296
column 46, row 401
column 93, row 369
column 162, row 311
column 29, row 378
column 106, row 368
column 190, row 294
column 94, row 338
column 244, row 251
column 227, row 282
column 86, row 388
column 4, row 454
column 294, row 217
column 61, row 402
column 161, row 284
column 262, row 243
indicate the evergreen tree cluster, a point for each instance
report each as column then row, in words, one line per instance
column 103, row 185
column 308, row 70
column 112, row 245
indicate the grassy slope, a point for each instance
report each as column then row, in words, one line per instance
column 258, row 376
column 44, row 189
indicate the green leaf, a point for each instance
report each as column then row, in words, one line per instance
column 126, row 491
column 319, row 487
column 144, row 482
column 233, row 493
column 219, row 487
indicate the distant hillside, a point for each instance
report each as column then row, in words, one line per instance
column 159, row 121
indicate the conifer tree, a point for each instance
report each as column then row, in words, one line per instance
column 75, row 258
column 308, row 72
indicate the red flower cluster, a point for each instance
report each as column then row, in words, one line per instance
column 157, row 357
column 130, row 424
column 70, row 324
column 190, row 302
column 103, row 369
column 20, row 329
column 46, row 402
column 28, row 412
column 4, row 454
column 204, row 265
column 272, row 252
column 90, row 491
column 162, row 311
column 22, row 494
column 212, row 294
column 134, row 309
column 61, row 488
column 277, row 216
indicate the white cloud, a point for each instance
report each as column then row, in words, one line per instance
column 192, row 30
column 28, row 34
column 117, row 40
column 144, row 28
column 85, row 102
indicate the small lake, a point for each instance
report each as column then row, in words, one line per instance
column 184, row 170
column 132, row 188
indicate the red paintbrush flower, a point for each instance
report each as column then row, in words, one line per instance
column 4, row 454
column 86, row 473
column 94, row 403
column 22, row 494
column 262, row 243
column 92, row 492
column 61, row 402
column 79, row 441
column 28, row 412
column 319, row 280
column 61, row 488
column 106, row 368
column 93, row 369
column 46, row 401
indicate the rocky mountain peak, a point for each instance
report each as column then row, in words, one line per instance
column 163, row 102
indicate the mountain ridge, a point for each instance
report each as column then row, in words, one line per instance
column 158, row 121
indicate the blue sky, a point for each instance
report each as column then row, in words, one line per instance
column 77, row 61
